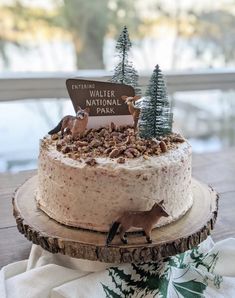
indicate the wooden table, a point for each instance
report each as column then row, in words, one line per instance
column 216, row 169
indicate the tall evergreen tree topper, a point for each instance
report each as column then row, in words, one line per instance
column 156, row 117
column 124, row 72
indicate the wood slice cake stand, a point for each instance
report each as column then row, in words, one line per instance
column 177, row 237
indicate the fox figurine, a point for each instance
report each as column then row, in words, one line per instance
column 75, row 124
column 139, row 219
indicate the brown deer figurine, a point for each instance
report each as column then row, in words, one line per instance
column 75, row 124
column 134, row 111
column 138, row 219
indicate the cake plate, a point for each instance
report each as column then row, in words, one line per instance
column 169, row 240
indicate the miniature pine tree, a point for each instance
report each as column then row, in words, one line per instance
column 124, row 72
column 156, row 117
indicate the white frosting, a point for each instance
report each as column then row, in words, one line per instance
column 92, row 197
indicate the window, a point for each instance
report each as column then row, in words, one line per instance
column 53, row 39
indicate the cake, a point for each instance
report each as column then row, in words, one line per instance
column 89, row 181
column 92, row 171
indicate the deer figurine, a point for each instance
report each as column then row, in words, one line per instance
column 75, row 124
column 134, row 111
column 139, row 219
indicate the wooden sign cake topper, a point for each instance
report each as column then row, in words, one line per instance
column 104, row 100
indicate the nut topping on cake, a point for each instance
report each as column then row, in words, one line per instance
column 91, row 162
column 163, row 146
column 114, row 153
column 121, row 160
column 116, row 142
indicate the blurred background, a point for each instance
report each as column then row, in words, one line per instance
column 43, row 42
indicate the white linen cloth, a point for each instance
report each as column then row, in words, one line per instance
column 205, row 271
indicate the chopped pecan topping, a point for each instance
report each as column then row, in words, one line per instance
column 112, row 127
column 81, row 143
column 54, row 136
column 91, row 161
column 118, row 142
column 163, row 146
column 66, row 149
column 115, row 153
column 121, row 160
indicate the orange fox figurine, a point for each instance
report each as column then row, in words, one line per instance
column 75, row 124
column 134, row 111
column 139, row 219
